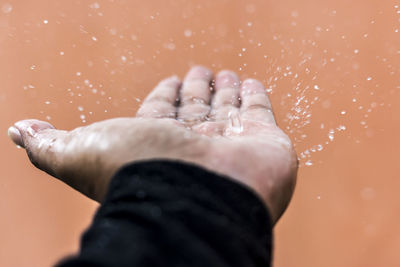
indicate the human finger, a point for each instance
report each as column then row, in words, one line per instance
column 255, row 104
column 39, row 139
column 195, row 95
column 226, row 97
column 161, row 102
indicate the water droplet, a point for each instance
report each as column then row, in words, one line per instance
column 235, row 122
column 170, row 46
column 95, row 5
column 80, row 108
column 45, row 21
column 309, row 163
column 188, row 33
column 6, row 8
column 331, row 135
column 367, row 193
column 316, row 87
column 356, row 51
column 94, row 38
column 250, row 8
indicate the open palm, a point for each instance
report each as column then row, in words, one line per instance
column 227, row 128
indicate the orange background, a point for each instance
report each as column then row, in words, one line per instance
column 332, row 68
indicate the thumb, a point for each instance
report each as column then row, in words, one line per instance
column 38, row 138
column 23, row 131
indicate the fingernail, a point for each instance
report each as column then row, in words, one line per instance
column 252, row 82
column 199, row 72
column 31, row 127
column 15, row 136
column 252, row 86
column 172, row 80
column 227, row 78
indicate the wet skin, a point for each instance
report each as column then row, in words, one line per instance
column 228, row 128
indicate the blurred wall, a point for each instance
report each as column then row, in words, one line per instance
column 332, row 68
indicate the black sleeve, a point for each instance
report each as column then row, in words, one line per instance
column 165, row 213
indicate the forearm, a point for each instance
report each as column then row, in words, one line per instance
column 164, row 213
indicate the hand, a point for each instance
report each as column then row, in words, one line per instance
column 228, row 128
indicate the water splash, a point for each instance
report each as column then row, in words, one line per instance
column 235, row 122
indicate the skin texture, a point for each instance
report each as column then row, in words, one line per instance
column 225, row 126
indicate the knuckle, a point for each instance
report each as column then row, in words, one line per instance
column 161, row 109
column 160, row 98
column 262, row 107
column 192, row 100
